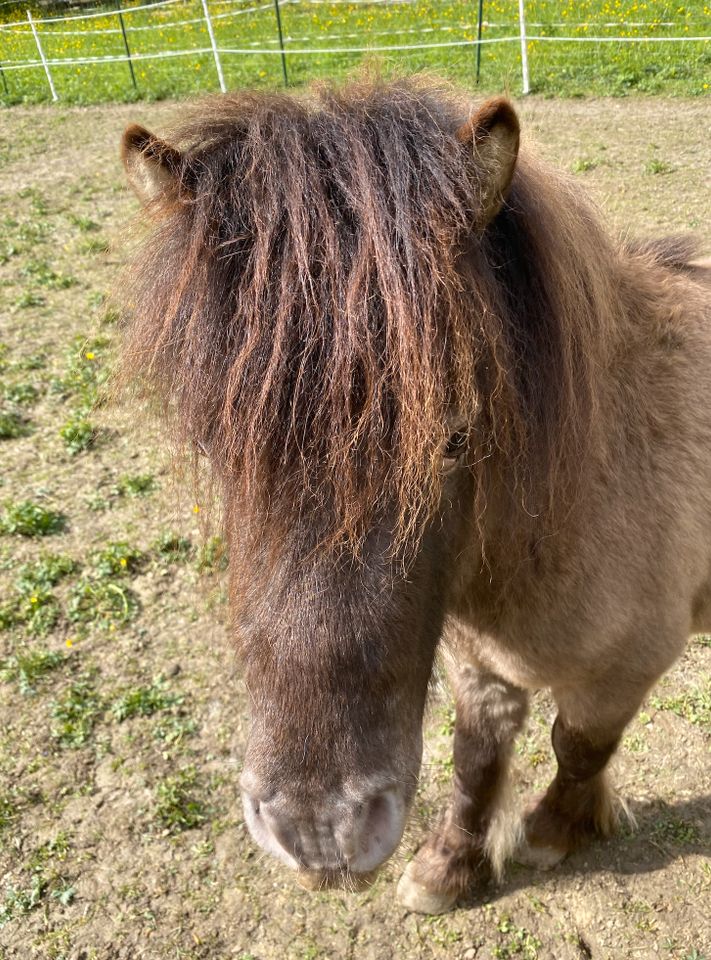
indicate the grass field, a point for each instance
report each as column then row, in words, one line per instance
column 573, row 68
column 123, row 717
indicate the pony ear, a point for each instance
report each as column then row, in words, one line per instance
column 492, row 133
column 152, row 165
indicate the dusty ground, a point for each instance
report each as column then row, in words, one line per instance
column 123, row 722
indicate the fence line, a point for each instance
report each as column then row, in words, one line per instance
column 78, row 61
column 121, row 58
column 703, row 39
column 284, row 44
column 199, row 51
column 21, row 26
column 441, row 25
column 372, row 49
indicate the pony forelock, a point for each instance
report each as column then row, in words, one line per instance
column 318, row 308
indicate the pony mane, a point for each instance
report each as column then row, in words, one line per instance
column 318, row 309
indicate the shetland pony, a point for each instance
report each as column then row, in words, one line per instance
column 444, row 410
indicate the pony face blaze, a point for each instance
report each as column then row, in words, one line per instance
column 388, row 334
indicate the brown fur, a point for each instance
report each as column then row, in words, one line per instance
column 334, row 285
column 329, row 308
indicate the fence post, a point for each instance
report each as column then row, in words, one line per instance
column 479, row 24
column 281, row 43
column 213, row 44
column 4, row 81
column 524, row 50
column 42, row 56
column 125, row 43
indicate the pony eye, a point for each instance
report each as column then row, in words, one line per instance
column 455, row 447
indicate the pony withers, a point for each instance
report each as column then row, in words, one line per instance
column 445, row 411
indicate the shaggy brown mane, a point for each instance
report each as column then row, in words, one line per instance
column 320, row 310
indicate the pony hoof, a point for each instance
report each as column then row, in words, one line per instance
column 416, row 897
column 539, row 857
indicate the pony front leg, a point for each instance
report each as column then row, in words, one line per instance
column 579, row 804
column 489, row 714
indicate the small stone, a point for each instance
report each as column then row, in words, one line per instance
column 470, row 953
column 173, row 670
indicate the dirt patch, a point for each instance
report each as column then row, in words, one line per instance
column 124, row 718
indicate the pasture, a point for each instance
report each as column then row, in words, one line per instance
column 123, row 716
column 336, row 36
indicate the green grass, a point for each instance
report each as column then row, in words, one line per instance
column 670, row 828
column 28, row 668
column 693, row 705
column 519, row 942
column 20, row 902
column 212, row 555
column 84, row 224
column 75, row 714
column 172, row 730
column 557, row 68
column 81, row 385
column 38, row 612
column 45, row 572
column 23, row 394
column 101, row 602
column 26, row 518
column 655, row 166
column 41, row 273
column 78, row 434
column 93, row 245
column 116, row 559
column 32, row 604
column 12, row 425
column 138, row 485
column 9, row 809
column 172, row 548
column 177, row 804
column 584, row 164
column 144, row 701
column 30, row 298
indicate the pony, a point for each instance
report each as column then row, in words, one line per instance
column 444, row 411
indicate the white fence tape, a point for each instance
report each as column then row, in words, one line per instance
column 198, row 51
column 621, row 39
column 22, row 26
column 306, row 51
column 77, row 61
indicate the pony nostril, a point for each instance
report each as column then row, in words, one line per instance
column 378, row 819
column 377, row 833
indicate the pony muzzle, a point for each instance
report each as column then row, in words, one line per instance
column 340, row 842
